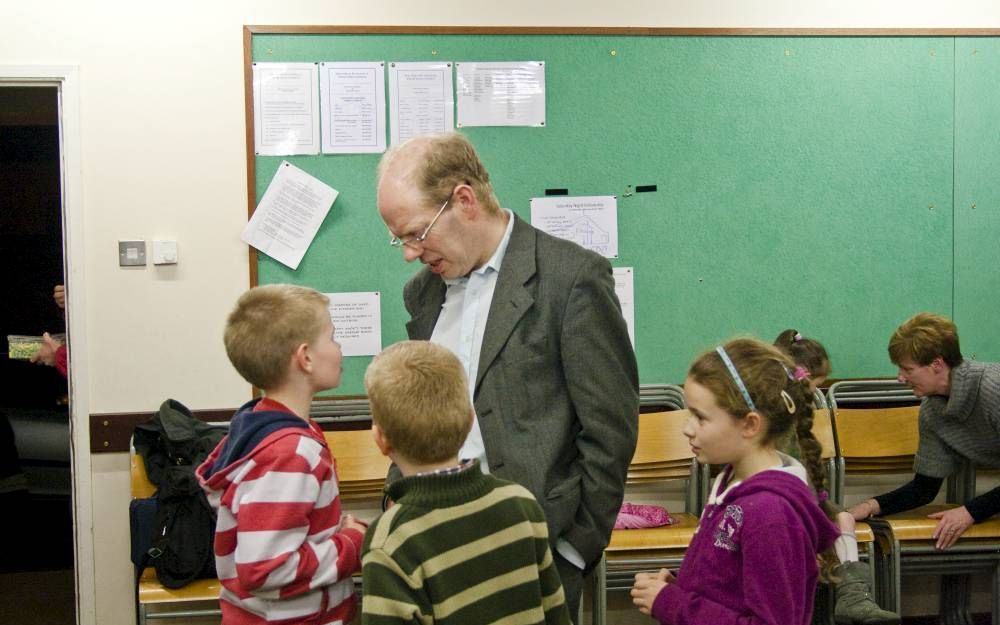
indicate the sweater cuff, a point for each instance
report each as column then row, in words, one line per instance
column 61, row 361
column 984, row 506
column 665, row 604
column 356, row 537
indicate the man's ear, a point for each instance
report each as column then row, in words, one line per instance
column 381, row 441
column 465, row 201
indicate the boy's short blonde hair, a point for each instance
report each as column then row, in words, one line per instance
column 922, row 338
column 266, row 327
column 420, row 399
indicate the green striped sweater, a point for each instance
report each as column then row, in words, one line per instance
column 462, row 548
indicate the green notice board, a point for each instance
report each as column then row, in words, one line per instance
column 805, row 182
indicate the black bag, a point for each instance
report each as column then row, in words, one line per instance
column 173, row 443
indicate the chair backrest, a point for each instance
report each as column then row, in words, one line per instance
column 873, row 436
column 661, row 440
column 663, row 454
column 661, row 396
column 361, row 467
column 880, row 392
column 875, row 441
column 340, row 410
column 139, row 483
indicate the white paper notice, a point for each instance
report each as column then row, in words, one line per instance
column 500, row 94
column 288, row 216
column 352, row 99
column 285, row 119
column 625, row 290
column 421, row 99
column 591, row 221
column 357, row 322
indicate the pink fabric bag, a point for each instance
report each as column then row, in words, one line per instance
column 639, row 516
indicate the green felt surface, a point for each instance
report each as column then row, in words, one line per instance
column 821, row 183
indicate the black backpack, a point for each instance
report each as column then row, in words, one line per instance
column 173, row 443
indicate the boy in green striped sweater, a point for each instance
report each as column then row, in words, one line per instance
column 457, row 546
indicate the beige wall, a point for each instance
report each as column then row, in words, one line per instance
column 159, row 83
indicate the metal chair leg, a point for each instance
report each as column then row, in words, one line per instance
column 599, row 602
column 995, row 607
column 955, row 600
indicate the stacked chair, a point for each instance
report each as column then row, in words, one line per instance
column 877, row 433
column 361, row 467
column 662, row 455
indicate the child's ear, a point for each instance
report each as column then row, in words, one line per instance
column 753, row 424
column 381, row 441
column 302, row 358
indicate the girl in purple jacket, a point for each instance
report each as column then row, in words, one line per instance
column 753, row 559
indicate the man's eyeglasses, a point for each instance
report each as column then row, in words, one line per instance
column 418, row 240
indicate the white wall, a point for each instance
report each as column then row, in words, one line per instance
column 161, row 84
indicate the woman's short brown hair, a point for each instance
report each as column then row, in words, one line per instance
column 922, row 338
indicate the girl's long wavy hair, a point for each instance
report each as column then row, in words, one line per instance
column 766, row 372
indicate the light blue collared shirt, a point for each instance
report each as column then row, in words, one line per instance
column 460, row 328
column 462, row 323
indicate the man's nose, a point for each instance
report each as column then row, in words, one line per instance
column 410, row 254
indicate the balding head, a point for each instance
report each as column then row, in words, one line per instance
column 433, row 165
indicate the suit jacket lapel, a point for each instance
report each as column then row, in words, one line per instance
column 510, row 299
column 429, row 297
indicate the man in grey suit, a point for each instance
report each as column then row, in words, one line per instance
column 537, row 325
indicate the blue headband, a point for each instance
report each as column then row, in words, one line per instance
column 736, row 376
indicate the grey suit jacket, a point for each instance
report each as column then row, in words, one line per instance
column 557, row 388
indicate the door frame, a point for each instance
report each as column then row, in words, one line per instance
column 66, row 78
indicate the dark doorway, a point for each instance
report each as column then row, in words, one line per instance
column 35, row 482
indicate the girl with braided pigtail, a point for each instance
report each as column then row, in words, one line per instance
column 763, row 539
column 851, row 579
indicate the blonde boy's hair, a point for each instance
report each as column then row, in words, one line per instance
column 436, row 164
column 420, row 399
column 923, row 337
column 266, row 327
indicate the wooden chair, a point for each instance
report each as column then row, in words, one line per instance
column 662, row 455
column 198, row 599
column 884, row 440
column 361, row 467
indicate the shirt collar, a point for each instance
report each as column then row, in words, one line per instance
column 461, row 466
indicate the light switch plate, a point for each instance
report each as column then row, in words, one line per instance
column 164, row 252
column 131, row 253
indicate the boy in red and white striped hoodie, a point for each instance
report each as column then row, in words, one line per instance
column 283, row 551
